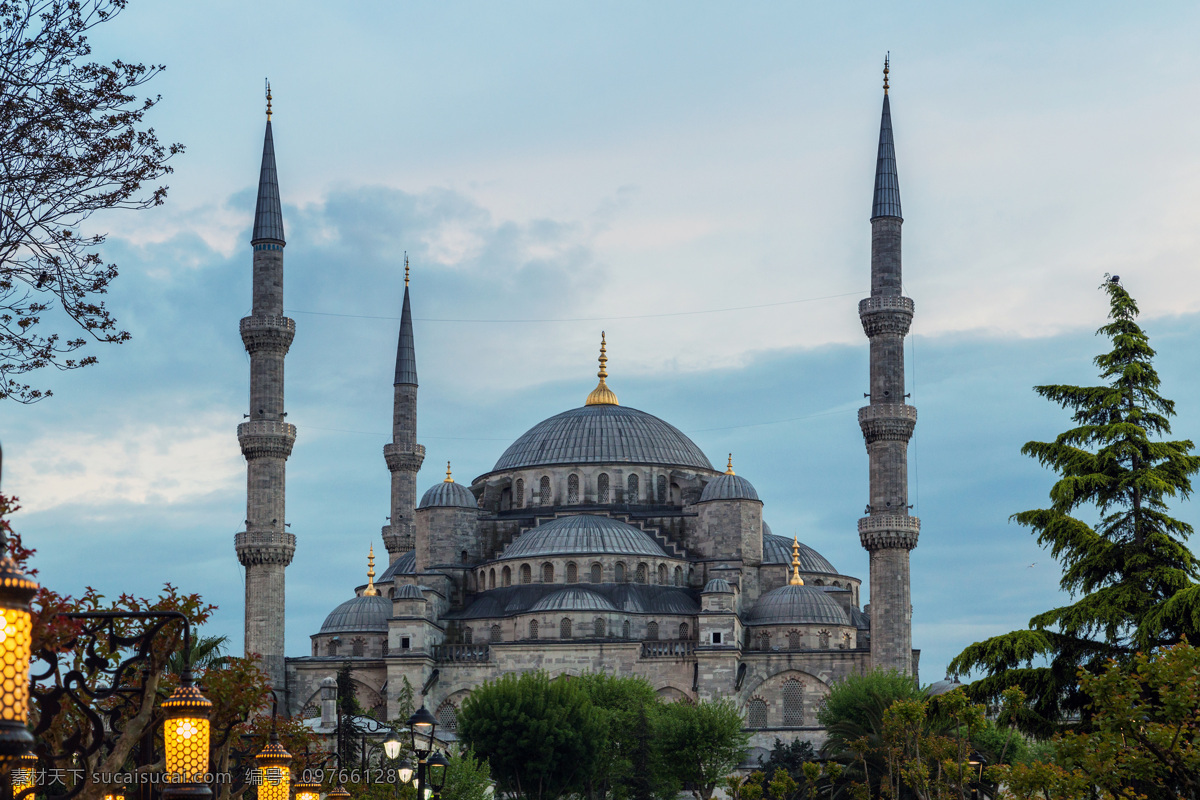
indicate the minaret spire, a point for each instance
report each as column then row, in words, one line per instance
column 265, row 547
column 888, row 532
column 403, row 455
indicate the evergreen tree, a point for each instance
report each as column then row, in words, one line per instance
column 1131, row 576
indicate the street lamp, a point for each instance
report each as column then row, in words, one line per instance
column 274, row 763
column 436, row 765
column 24, row 773
column 405, row 771
column 421, row 726
column 391, row 747
column 186, row 733
column 115, row 793
column 306, row 788
column 16, row 634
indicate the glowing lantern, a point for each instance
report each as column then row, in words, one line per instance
column 186, row 732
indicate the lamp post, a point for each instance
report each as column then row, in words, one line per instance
column 274, row 763
column 421, row 726
column 436, row 766
column 186, row 734
column 16, row 635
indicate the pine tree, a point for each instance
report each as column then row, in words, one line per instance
column 1131, row 576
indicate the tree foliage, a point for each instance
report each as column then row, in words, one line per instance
column 1131, row 576
column 72, row 142
column 704, row 742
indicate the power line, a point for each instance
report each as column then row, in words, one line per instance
column 581, row 319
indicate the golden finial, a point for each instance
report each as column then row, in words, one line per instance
column 602, row 395
column 406, row 268
column 268, row 100
column 729, row 467
column 886, row 59
column 448, row 478
column 796, row 579
column 371, row 591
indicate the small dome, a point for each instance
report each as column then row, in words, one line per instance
column 766, row 530
column 797, row 604
column 860, row 619
column 583, row 534
column 718, row 586
column 404, row 565
column 573, row 599
column 363, row 614
column 408, row 592
column 728, row 487
column 941, row 687
column 448, row 494
column 778, row 550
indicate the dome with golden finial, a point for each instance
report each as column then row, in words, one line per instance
column 602, row 395
column 729, row 486
column 448, row 494
column 371, row 591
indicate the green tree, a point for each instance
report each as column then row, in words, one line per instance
column 540, row 736
column 71, row 143
column 467, row 778
column 1145, row 736
column 702, row 743
column 1131, row 576
column 622, row 704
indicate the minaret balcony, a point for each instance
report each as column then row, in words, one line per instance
column 263, row 332
column 264, row 438
column 887, row 422
column 264, row 547
column 400, row 459
column 886, row 314
column 889, row 531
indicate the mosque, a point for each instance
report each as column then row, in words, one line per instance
column 603, row 539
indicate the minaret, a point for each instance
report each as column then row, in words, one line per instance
column 265, row 548
column 403, row 455
column 888, row 532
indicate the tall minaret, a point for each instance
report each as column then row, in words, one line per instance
column 265, row 548
column 888, row 532
column 403, row 454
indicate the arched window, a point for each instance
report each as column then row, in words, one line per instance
column 385, row 645
column 837, row 584
column 533, row 633
column 464, row 556
column 818, row 582
column 598, row 627
column 573, row 489
column 519, row 494
column 564, row 628
column 447, row 716
column 793, row 704
column 662, row 489
column 756, row 713
column 468, row 635
column 333, row 647
column 625, row 629
column 683, row 630
column 676, row 494
column 526, row 573
column 492, row 579
column 358, row 647
column 631, row 488
column 823, row 638
column 496, row 633
column 547, row 573
column 764, row 641
column 572, row 573
column 602, row 487
column 643, row 573
column 544, row 490
column 652, row 630
column 597, row 573
column 846, row 639
column 793, row 640
column 662, row 574
column 679, row 576
column 506, row 576
column 619, row 572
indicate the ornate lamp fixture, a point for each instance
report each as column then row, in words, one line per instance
column 307, row 789
column 421, row 726
column 115, row 793
column 16, row 635
column 186, row 733
column 436, row 765
column 274, row 764
column 24, row 773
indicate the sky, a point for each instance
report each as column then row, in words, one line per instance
column 692, row 178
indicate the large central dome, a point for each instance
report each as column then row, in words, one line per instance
column 603, row 434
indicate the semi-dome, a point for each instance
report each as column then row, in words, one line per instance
column 448, row 494
column 362, row 614
column 406, row 564
column 778, row 550
column 583, row 534
column 728, row 487
column 797, row 604
column 408, row 592
column 573, row 599
column 602, row 434
column 718, row 586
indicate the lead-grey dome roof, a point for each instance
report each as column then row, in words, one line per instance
column 409, row 592
column 628, row 598
column 363, row 614
column 797, row 604
column 778, row 550
column 583, row 534
column 448, row 494
column 728, row 487
column 404, row 565
column 575, row 598
column 718, row 585
column 603, row 434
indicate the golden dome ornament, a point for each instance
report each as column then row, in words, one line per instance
column 602, row 395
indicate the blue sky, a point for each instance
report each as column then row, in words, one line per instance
column 612, row 166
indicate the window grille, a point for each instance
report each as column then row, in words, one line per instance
column 544, row 490
column 662, row 488
column 793, row 640
column 662, row 574
column 625, row 629
column 547, row 573
column 447, row 716
column 652, row 630
column 597, row 573
column 598, row 627
column 572, row 573
column 468, row 635
column 533, row 629
column 631, row 490
column 564, row 628
column 573, row 489
column 602, row 488
column 526, row 574
column 519, row 493
column 756, row 716
column 358, row 647
column 506, row 575
column 823, row 638
column 683, row 630
column 619, row 573
column 642, row 573
column 793, row 704
column 496, row 633
column 679, row 576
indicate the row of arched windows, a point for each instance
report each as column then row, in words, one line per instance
column 795, row 640
column 598, row 628
column 358, row 647
column 545, row 495
column 621, row 574
column 793, row 707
